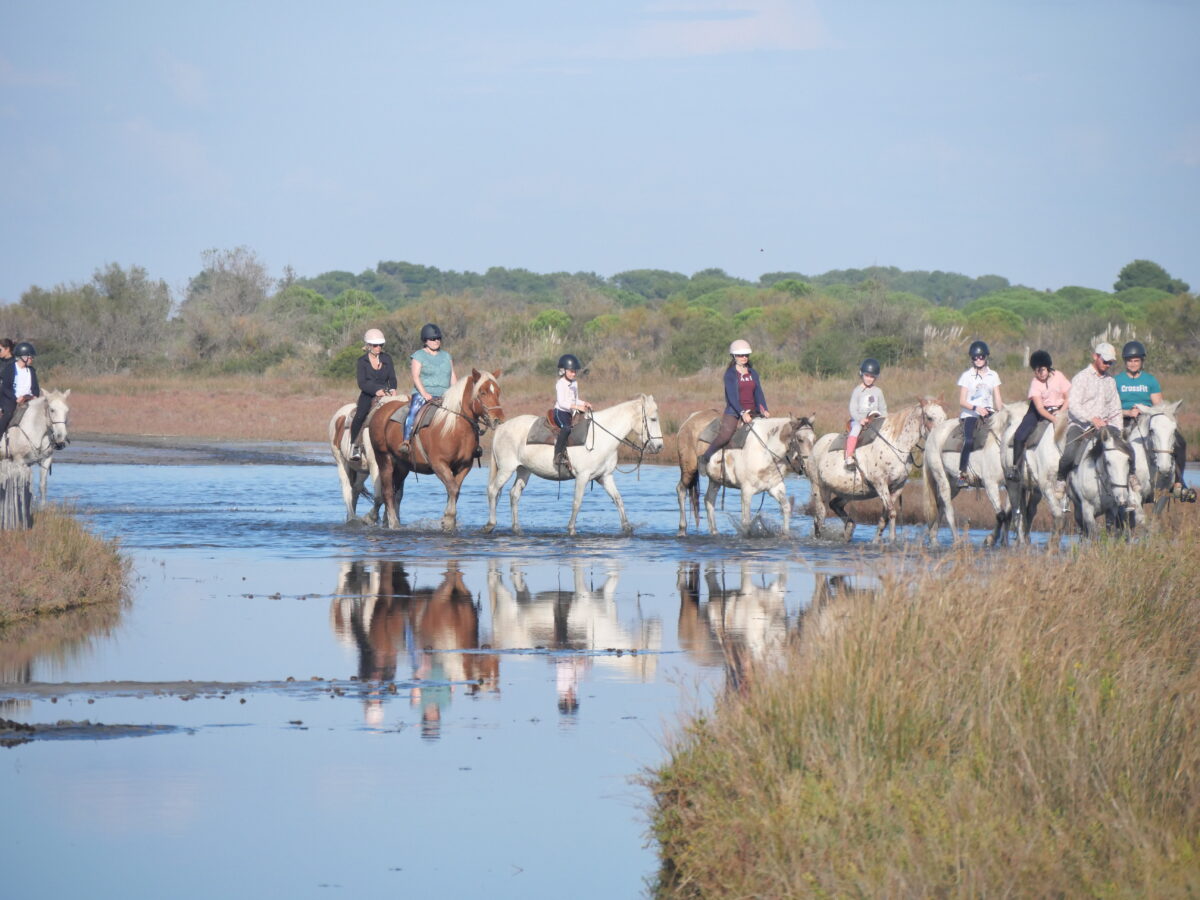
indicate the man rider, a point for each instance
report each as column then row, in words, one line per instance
column 1137, row 386
column 1093, row 404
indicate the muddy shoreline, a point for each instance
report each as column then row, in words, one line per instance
column 173, row 450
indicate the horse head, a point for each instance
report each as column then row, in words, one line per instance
column 932, row 414
column 1118, row 466
column 798, row 436
column 485, row 398
column 649, row 429
column 58, row 414
column 1157, row 426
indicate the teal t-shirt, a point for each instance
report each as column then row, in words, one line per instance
column 435, row 370
column 1136, row 390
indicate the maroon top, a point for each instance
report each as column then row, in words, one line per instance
column 746, row 390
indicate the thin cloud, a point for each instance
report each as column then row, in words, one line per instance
column 684, row 29
column 187, row 82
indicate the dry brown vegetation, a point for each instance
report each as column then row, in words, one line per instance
column 1021, row 725
column 55, row 566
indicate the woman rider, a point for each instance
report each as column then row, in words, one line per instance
column 376, row 378
column 743, row 397
column 18, row 382
column 1048, row 393
column 432, row 375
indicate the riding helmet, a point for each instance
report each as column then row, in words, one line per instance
column 870, row 366
column 1040, row 359
column 739, row 347
column 979, row 348
column 430, row 332
column 373, row 336
column 569, row 361
column 1132, row 350
column 24, row 349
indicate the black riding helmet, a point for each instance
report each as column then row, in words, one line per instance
column 23, row 349
column 1132, row 350
column 430, row 332
column 978, row 348
column 569, row 361
column 870, row 366
column 1040, row 358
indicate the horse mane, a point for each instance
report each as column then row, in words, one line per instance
column 452, row 401
column 897, row 423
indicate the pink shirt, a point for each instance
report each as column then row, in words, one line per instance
column 1053, row 390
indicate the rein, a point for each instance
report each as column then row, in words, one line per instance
column 640, row 451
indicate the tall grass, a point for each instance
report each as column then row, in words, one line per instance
column 1024, row 725
column 55, row 566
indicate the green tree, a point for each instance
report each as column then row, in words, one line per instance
column 1144, row 273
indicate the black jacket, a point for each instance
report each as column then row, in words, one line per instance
column 370, row 380
column 8, row 374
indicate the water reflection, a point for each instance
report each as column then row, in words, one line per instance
column 735, row 625
column 377, row 611
column 577, row 628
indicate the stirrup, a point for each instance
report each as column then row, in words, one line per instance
column 405, row 447
column 356, row 452
column 849, row 463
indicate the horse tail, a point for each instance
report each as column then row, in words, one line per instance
column 693, row 491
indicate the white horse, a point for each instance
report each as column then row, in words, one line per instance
column 985, row 468
column 353, row 473
column 881, row 468
column 594, row 461
column 1103, row 483
column 44, row 428
column 1038, row 478
column 774, row 447
column 1152, row 437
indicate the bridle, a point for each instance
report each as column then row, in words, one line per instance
column 644, row 434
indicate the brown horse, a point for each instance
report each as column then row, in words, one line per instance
column 446, row 447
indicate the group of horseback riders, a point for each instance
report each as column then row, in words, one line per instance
column 1094, row 398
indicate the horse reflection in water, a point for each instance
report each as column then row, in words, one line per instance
column 578, row 628
column 378, row 612
column 740, row 626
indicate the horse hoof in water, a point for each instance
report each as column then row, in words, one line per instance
column 487, row 529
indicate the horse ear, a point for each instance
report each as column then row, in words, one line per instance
column 475, row 376
column 496, row 374
column 67, row 393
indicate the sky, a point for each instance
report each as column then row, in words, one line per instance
column 1049, row 142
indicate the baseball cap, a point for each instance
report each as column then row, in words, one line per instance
column 1106, row 351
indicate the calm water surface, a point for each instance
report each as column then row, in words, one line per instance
column 466, row 713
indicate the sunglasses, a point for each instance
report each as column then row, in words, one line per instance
column 978, row 356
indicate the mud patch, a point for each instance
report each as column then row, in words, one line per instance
column 13, row 734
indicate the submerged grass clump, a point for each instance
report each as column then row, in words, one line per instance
column 55, row 566
column 1024, row 726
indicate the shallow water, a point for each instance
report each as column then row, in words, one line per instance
column 384, row 711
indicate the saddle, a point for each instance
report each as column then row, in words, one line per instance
column 1035, row 436
column 870, row 431
column 544, row 431
column 954, row 440
column 737, row 442
column 424, row 415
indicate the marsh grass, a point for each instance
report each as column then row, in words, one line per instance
column 56, row 566
column 1016, row 725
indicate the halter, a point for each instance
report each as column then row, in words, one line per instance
column 645, row 429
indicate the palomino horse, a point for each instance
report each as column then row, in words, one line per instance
column 446, row 447
column 1103, row 483
column 985, row 468
column 1152, row 437
column 881, row 468
column 1038, row 477
column 596, row 460
column 773, row 446
column 380, row 614
column 43, row 429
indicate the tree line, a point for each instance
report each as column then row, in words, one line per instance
column 234, row 317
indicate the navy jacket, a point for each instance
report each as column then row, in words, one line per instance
column 733, row 406
column 8, row 375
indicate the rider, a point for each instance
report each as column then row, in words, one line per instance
column 743, row 397
column 376, row 378
column 866, row 402
column 1048, row 392
column 6, row 347
column 1137, row 386
column 18, row 382
column 432, row 375
column 566, row 402
column 979, row 397
column 1094, row 404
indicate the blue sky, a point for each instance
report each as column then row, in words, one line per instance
column 1048, row 142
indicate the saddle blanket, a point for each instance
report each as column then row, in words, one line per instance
column 18, row 415
column 737, row 442
column 954, row 440
column 424, row 415
column 542, row 433
column 1035, row 436
column 869, row 432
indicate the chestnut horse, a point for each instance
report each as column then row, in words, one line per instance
column 447, row 447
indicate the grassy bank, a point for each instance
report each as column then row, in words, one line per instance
column 57, row 565
column 1032, row 729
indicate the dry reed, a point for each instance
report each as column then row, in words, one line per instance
column 1022, row 725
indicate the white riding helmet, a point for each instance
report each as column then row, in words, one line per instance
column 739, row 346
column 373, row 336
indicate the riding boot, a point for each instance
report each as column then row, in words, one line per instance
column 356, row 452
column 851, row 443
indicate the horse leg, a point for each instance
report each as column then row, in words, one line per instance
column 386, row 490
column 838, row 505
column 399, row 473
column 577, row 501
column 453, row 483
column 498, row 474
column 610, row 485
column 998, row 507
column 710, row 507
column 349, row 485
column 514, row 496
column 687, row 483
column 779, row 492
column 747, row 506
